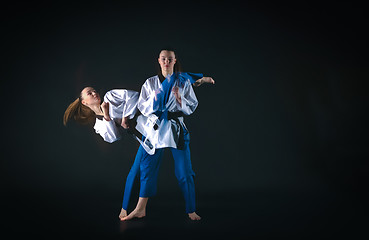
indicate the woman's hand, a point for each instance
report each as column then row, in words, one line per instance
column 105, row 109
column 177, row 95
column 157, row 91
column 125, row 123
column 200, row 81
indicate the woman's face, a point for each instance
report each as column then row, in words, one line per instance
column 167, row 59
column 90, row 96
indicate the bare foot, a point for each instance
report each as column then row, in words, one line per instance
column 122, row 214
column 193, row 216
column 137, row 213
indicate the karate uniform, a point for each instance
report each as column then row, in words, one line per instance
column 122, row 103
column 157, row 98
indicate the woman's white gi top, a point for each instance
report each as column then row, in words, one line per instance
column 122, row 103
column 167, row 134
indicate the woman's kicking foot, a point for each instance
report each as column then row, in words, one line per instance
column 122, row 214
column 193, row 216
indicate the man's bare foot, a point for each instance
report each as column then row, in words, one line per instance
column 122, row 214
column 193, row 216
column 137, row 213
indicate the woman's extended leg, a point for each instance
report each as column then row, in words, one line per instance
column 129, row 182
column 149, row 168
column 185, row 175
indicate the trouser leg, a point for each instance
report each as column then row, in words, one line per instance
column 185, row 174
column 131, row 177
column 149, row 169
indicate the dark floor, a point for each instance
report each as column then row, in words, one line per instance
column 253, row 214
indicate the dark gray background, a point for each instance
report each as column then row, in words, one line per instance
column 282, row 135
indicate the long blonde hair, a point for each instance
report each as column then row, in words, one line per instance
column 79, row 112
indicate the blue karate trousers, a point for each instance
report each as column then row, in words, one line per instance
column 147, row 166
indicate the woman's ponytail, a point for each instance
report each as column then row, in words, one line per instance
column 79, row 112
